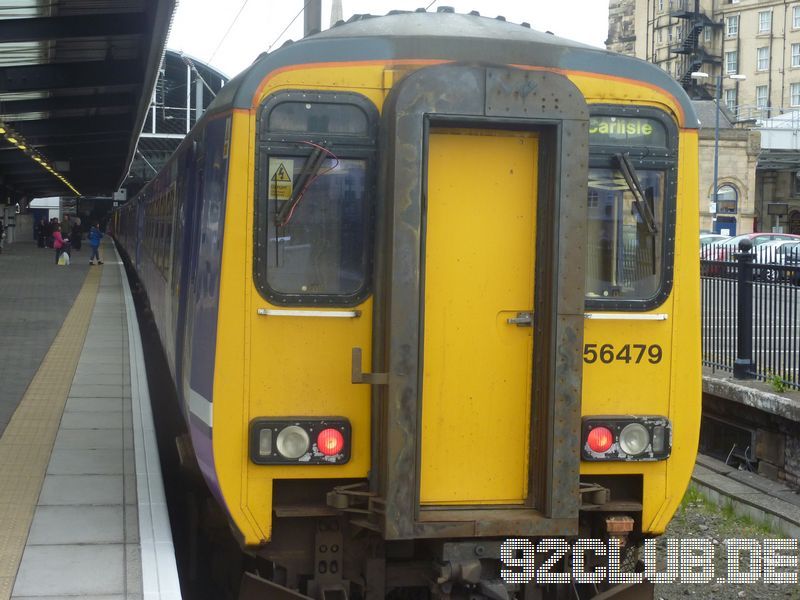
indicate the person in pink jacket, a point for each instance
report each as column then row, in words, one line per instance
column 58, row 241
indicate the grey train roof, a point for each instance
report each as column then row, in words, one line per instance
column 446, row 36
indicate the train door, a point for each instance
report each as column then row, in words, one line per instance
column 479, row 258
column 479, row 304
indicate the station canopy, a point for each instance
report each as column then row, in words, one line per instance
column 76, row 79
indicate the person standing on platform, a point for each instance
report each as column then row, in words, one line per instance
column 75, row 235
column 58, row 241
column 95, row 235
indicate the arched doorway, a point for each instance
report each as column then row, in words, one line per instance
column 794, row 222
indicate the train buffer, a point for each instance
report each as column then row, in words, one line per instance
column 82, row 507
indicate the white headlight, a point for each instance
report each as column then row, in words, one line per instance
column 634, row 439
column 292, row 442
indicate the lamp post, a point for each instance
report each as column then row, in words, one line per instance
column 699, row 76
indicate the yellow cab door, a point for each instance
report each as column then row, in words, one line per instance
column 479, row 245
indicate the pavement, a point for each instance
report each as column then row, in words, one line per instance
column 35, row 297
column 82, row 506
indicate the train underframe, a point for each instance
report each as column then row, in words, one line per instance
column 328, row 558
column 320, row 552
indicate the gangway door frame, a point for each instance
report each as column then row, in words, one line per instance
column 488, row 98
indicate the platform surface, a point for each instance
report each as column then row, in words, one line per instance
column 69, row 499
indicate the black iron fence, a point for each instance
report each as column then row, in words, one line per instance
column 751, row 314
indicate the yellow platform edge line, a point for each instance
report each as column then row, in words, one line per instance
column 27, row 442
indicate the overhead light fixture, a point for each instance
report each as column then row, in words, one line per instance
column 19, row 142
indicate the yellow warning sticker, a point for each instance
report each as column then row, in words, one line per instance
column 280, row 178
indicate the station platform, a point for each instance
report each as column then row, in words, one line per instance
column 82, row 506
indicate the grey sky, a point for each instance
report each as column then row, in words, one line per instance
column 199, row 26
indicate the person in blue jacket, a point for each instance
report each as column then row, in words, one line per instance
column 95, row 235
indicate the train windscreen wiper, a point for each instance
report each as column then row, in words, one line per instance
column 307, row 173
column 639, row 201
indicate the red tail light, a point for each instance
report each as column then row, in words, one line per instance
column 600, row 439
column 626, row 438
column 300, row 441
column 330, row 442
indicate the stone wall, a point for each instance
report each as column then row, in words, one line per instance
column 621, row 26
column 738, row 155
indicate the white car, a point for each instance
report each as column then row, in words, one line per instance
column 711, row 238
column 774, row 253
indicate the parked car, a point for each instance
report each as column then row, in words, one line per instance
column 791, row 258
column 710, row 238
column 723, row 251
column 773, row 253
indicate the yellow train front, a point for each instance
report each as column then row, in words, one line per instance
column 445, row 278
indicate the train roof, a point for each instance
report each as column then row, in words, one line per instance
column 445, row 35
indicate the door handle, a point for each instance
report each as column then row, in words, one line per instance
column 358, row 376
column 523, row 319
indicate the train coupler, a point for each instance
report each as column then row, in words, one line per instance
column 471, row 565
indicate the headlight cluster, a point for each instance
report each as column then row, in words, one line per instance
column 300, row 441
column 626, row 438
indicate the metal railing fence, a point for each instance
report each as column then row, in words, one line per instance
column 751, row 315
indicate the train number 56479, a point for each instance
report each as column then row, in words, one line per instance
column 628, row 353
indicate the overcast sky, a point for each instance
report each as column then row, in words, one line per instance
column 211, row 31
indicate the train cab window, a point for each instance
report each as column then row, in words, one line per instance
column 314, row 198
column 630, row 209
column 319, row 117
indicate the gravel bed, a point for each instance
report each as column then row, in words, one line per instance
column 698, row 518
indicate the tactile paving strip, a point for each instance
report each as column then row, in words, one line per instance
column 27, row 442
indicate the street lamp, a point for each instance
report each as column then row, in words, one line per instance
column 699, row 76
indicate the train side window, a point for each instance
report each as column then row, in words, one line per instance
column 630, row 208
column 315, row 197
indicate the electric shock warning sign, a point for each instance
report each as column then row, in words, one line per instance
column 280, row 178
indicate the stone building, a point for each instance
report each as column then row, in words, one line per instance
column 779, row 173
column 735, row 209
column 757, row 39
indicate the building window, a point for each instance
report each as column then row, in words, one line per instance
column 794, row 90
column 669, row 34
column 660, row 37
column 731, row 60
column 765, row 21
column 732, row 26
column 730, row 99
column 763, row 59
column 707, row 34
column 660, row 5
column 727, row 198
column 796, row 55
column 796, row 17
column 761, row 96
